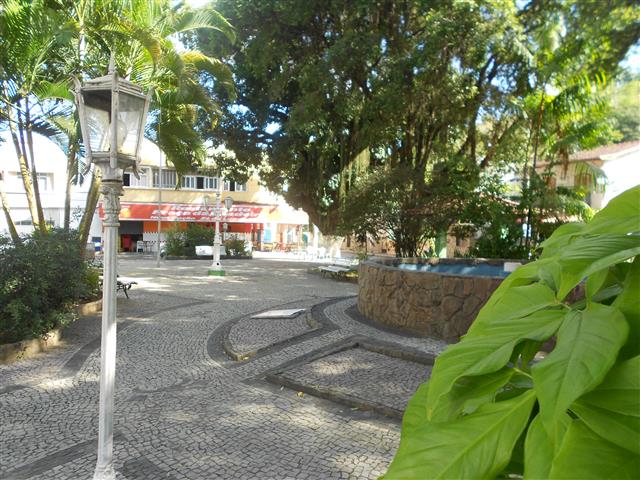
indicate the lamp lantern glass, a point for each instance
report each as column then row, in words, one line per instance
column 228, row 203
column 112, row 110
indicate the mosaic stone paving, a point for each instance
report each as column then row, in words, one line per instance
column 185, row 410
column 358, row 373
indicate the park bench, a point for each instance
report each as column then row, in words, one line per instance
column 122, row 284
column 125, row 286
column 335, row 270
column 207, row 250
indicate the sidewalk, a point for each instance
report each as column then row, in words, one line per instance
column 186, row 410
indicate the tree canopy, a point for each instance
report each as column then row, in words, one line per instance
column 334, row 95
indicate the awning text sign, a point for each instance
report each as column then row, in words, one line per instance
column 172, row 212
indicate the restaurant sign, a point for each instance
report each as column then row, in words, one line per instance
column 184, row 212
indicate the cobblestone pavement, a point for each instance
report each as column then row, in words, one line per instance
column 184, row 410
column 249, row 335
column 363, row 374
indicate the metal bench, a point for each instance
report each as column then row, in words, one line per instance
column 125, row 286
column 334, row 270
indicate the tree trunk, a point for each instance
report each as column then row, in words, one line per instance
column 90, row 208
column 24, row 172
column 42, row 225
column 72, row 167
column 7, row 213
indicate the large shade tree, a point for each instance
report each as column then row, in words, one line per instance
column 336, row 98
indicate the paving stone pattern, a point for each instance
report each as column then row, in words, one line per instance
column 252, row 334
column 363, row 374
column 181, row 412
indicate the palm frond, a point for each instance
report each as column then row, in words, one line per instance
column 203, row 18
column 214, row 67
column 50, row 90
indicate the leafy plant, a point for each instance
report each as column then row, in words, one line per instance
column 183, row 243
column 235, row 247
column 492, row 409
column 40, row 279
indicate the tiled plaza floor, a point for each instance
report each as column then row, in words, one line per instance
column 184, row 409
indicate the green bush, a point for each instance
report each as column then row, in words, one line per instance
column 40, row 280
column 182, row 243
column 235, row 247
column 490, row 410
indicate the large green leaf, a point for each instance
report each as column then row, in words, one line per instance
column 595, row 282
column 517, row 302
column 587, row 347
column 481, row 354
column 475, row 446
column 621, row 215
column 468, row 393
column 629, row 304
column 561, row 237
column 415, row 414
column 590, row 254
column 620, row 390
column 612, row 410
column 585, row 455
column 623, row 430
column 522, row 276
column 540, row 447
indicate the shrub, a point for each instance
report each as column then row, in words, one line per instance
column 182, row 243
column 174, row 244
column 235, row 247
column 491, row 410
column 40, row 280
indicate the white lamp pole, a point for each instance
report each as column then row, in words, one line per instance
column 216, row 267
column 112, row 114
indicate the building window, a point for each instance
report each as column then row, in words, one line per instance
column 210, row 183
column 168, row 178
column 130, row 180
column 188, row 181
column 231, row 186
column 144, row 178
column 45, row 182
column 27, row 222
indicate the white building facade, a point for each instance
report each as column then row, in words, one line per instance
column 51, row 165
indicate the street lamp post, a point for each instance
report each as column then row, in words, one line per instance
column 216, row 267
column 112, row 114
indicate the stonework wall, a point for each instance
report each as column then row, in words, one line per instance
column 425, row 303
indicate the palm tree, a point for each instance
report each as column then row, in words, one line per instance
column 142, row 34
column 31, row 39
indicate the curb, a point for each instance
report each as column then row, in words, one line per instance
column 241, row 357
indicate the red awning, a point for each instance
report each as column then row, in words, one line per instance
column 184, row 212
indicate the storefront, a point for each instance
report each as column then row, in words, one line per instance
column 257, row 223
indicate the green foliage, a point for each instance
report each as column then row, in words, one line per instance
column 182, row 243
column 494, row 219
column 40, row 279
column 235, row 247
column 625, row 109
column 491, row 410
column 380, row 116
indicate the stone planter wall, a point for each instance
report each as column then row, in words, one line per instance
column 437, row 305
